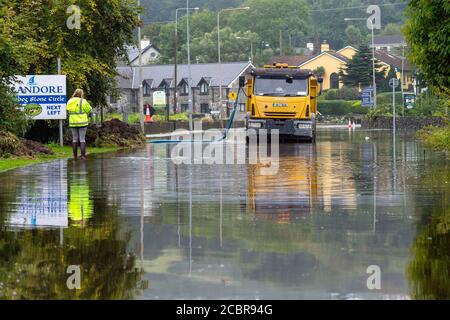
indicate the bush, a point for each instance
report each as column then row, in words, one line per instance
column 349, row 93
column 345, row 93
column 12, row 119
column 386, row 98
column 332, row 94
column 429, row 104
column 436, row 138
column 340, row 107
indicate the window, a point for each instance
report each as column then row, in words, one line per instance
column 280, row 87
column 204, row 107
column 242, row 107
column 204, row 88
column 184, row 107
column 334, row 81
column 146, row 88
column 184, row 89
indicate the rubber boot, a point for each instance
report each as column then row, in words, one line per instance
column 75, row 150
column 83, row 150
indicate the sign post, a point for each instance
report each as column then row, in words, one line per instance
column 61, row 133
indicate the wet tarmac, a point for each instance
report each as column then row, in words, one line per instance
column 140, row 226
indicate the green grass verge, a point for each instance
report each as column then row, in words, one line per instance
column 59, row 153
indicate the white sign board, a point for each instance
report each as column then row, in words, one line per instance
column 42, row 97
column 159, row 99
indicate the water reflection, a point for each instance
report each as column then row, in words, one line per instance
column 224, row 231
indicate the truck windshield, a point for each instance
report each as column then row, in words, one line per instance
column 265, row 86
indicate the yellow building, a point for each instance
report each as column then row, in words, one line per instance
column 333, row 61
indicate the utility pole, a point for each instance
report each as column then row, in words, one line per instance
column 140, row 98
column 191, row 108
column 401, row 81
column 281, row 43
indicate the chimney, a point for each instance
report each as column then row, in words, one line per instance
column 145, row 42
column 325, row 46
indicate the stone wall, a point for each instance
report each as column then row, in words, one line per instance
column 402, row 123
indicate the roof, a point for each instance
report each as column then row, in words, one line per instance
column 347, row 47
column 332, row 54
column 129, row 76
column 391, row 59
column 388, row 40
column 133, row 51
column 290, row 60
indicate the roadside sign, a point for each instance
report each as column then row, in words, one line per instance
column 159, row 99
column 367, row 97
column 232, row 96
column 43, row 97
column 394, row 82
column 409, row 99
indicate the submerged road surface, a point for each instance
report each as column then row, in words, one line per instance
column 341, row 219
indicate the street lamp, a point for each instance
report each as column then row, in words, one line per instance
column 251, row 45
column 218, row 45
column 141, row 96
column 372, row 27
column 175, row 99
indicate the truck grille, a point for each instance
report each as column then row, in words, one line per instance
column 280, row 114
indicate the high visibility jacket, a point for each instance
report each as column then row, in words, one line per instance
column 78, row 114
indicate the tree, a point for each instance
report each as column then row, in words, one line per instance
column 427, row 32
column 391, row 29
column 359, row 69
column 354, row 37
column 38, row 34
column 385, row 87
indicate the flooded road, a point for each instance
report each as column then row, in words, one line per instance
column 139, row 226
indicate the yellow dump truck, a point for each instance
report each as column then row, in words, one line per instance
column 284, row 98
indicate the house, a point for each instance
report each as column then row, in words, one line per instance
column 333, row 61
column 206, row 81
column 388, row 43
column 150, row 54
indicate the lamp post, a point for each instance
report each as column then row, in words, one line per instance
column 251, row 45
column 141, row 97
column 218, row 45
column 175, row 99
column 372, row 27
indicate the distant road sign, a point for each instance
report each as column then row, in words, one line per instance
column 159, row 99
column 367, row 97
column 410, row 100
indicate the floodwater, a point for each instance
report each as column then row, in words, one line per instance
column 138, row 226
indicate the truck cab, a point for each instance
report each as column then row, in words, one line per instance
column 283, row 98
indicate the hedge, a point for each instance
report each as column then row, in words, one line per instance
column 340, row 107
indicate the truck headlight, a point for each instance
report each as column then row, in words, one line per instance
column 304, row 126
column 254, row 124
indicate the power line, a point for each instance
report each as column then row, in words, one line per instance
column 358, row 7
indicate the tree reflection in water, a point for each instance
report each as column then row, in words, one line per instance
column 33, row 263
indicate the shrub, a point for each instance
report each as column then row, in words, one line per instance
column 430, row 104
column 332, row 94
column 12, row 119
column 349, row 93
column 436, row 138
